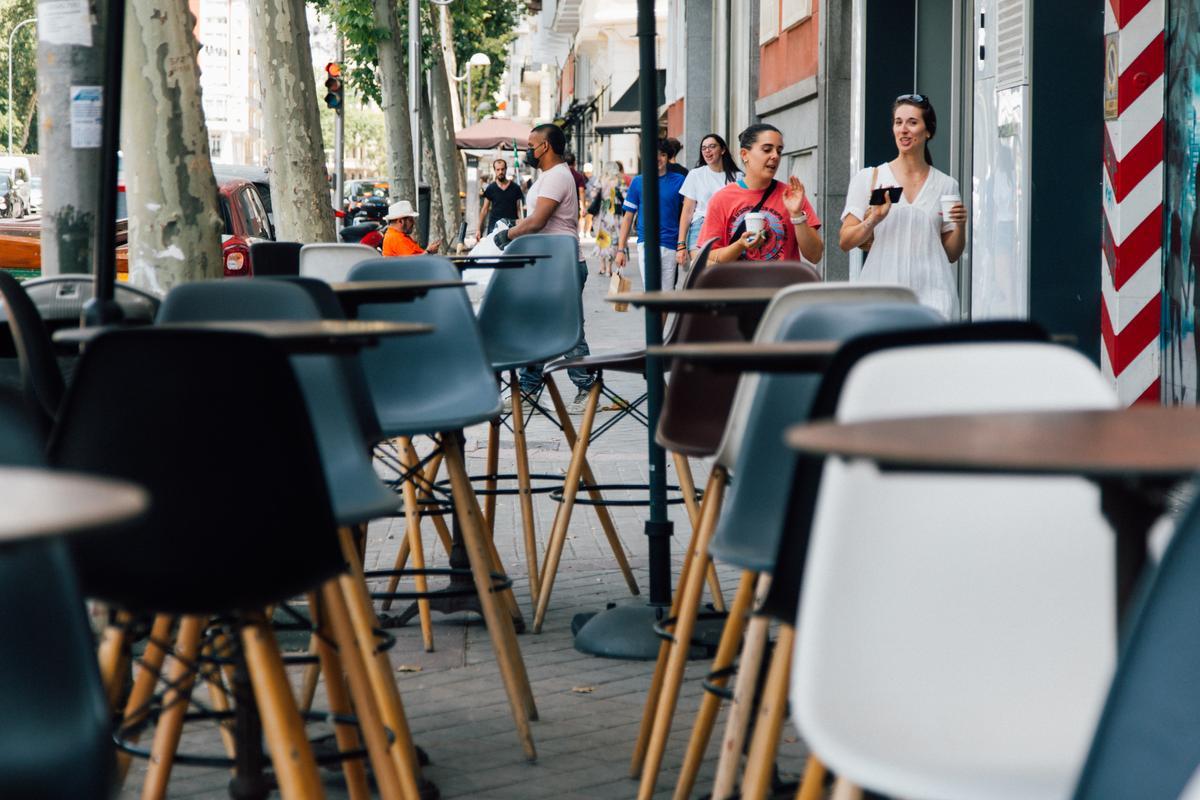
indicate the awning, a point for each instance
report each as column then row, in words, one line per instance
column 493, row 132
column 623, row 116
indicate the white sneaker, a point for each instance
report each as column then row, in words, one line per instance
column 579, row 404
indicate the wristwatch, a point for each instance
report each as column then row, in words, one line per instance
column 800, row 220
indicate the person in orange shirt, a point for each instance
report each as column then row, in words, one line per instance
column 398, row 240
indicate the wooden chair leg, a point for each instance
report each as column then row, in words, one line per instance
column 656, row 681
column 381, row 680
column 312, row 671
column 812, row 785
column 412, row 515
column 499, row 625
column 772, row 708
column 113, row 655
column 145, row 678
column 742, row 705
column 558, row 536
column 589, row 479
column 339, row 703
column 493, row 464
column 182, row 676
column 439, row 524
column 525, row 494
column 292, row 758
column 682, row 634
column 843, row 789
column 687, row 486
column 710, row 704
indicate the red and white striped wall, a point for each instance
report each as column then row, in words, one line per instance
column 1131, row 275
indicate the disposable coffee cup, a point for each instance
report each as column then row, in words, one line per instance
column 949, row 201
column 756, row 222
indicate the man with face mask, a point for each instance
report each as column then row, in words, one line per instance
column 553, row 206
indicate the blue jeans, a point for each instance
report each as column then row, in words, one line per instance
column 693, row 233
column 530, row 377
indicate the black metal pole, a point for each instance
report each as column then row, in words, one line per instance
column 658, row 527
column 102, row 309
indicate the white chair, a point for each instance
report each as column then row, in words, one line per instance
column 955, row 637
column 332, row 262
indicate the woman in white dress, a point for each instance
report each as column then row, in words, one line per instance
column 910, row 242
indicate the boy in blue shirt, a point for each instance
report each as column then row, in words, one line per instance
column 670, row 203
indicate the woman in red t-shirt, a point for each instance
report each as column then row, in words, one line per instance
column 792, row 225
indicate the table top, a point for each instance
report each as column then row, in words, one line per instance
column 713, row 300
column 1140, row 441
column 36, row 503
column 298, row 336
column 495, row 262
column 811, row 356
column 356, row 293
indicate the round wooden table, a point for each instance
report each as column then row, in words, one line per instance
column 37, row 503
column 810, row 356
column 1134, row 455
column 352, row 294
column 296, row 336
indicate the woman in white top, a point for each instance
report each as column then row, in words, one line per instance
column 714, row 169
column 910, row 242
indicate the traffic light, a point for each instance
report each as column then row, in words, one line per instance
column 335, row 88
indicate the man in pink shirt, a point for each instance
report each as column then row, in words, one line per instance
column 553, row 204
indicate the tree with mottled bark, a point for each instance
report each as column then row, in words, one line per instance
column 437, row 219
column 296, row 156
column 393, row 99
column 174, row 222
column 449, row 159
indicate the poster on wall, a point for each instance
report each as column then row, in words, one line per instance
column 1181, row 277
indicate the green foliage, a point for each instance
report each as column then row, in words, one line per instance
column 13, row 12
column 480, row 26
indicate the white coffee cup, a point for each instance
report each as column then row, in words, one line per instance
column 949, row 201
column 756, row 222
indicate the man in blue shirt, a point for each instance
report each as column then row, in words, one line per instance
column 670, row 204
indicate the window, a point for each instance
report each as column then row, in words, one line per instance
column 795, row 11
column 768, row 20
column 253, row 215
column 214, row 146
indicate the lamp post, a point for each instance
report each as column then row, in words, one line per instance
column 18, row 27
column 477, row 60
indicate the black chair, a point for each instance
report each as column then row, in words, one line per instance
column 228, row 532
column 274, row 259
column 41, row 381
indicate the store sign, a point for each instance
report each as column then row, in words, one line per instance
column 1111, row 75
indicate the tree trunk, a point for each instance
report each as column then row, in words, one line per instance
column 447, row 33
column 27, row 122
column 300, row 191
column 448, row 158
column 174, row 223
column 71, row 182
column 437, row 219
column 393, row 91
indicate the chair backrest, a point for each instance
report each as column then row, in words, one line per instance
column 698, row 398
column 781, row 600
column 205, row 421
column 275, row 258
column 752, row 518
column 779, row 314
column 1147, row 743
column 534, row 313
column 671, row 326
column 441, row 379
column 41, row 381
column 332, row 262
column 972, row 616
column 337, row 418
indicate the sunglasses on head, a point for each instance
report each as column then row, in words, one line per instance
column 916, row 98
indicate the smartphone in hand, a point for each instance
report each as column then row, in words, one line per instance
column 894, row 192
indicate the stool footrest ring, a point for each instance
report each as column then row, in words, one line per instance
column 500, row 583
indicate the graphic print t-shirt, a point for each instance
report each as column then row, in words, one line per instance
column 730, row 205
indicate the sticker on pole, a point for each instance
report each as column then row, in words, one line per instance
column 65, row 22
column 87, row 105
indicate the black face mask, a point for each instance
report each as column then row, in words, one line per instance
column 530, row 158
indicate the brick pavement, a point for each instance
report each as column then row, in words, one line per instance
column 455, row 701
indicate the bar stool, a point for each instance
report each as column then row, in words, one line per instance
column 228, row 533
column 332, row 262
column 437, row 387
column 41, row 380
column 275, row 258
column 971, row 614
column 529, row 316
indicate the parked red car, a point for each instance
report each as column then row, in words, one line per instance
column 246, row 222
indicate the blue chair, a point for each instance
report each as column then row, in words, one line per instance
column 438, row 386
column 529, row 316
column 1147, row 742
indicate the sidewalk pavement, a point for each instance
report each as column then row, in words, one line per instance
column 589, row 707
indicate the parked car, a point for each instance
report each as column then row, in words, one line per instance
column 35, row 194
column 246, row 222
column 357, row 192
column 17, row 196
column 258, row 178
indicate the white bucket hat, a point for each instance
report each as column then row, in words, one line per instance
column 400, row 210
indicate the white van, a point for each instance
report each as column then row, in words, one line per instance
column 18, row 171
